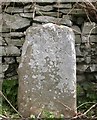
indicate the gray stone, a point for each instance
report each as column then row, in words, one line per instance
column 4, row 67
column 18, row 59
column 65, row 21
column 48, row 19
column 16, row 34
column 89, row 38
column 15, row 22
column 15, row 42
column 36, row 24
column 94, row 59
column 76, row 29
column 50, row 1
column 44, row 19
column 78, row 39
column 85, row 39
column 10, row 51
column 13, row 10
column 27, row 15
column 0, row 8
column 89, row 28
column 81, row 68
column 28, row 8
column 52, row 14
column 62, row 6
column 47, row 71
column 13, row 35
column 73, row 12
column 9, row 60
column 0, row 60
column 78, row 51
column 44, row 8
column 1, row 22
column 1, row 77
column 1, row 50
column 69, row 17
column 1, row 69
column 93, row 38
column 5, row 28
column 93, row 68
column 3, row 41
column 88, row 59
column 0, row 41
column 80, row 59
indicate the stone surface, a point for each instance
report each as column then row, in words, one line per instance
column 80, row 60
column 89, row 28
column 1, row 22
column 88, row 59
column 4, row 67
column 78, row 51
column 76, row 29
column 45, row 8
column 13, row 35
column 47, row 71
column 82, row 68
column 18, row 59
column 16, row 34
column 15, row 42
column 48, row 19
column 9, row 60
column 93, row 68
column 1, row 50
column 13, row 10
column 65, row 21
column 15, row 22
column 0, row 60
column 68, row 5
column 0, row 41
column 10, row 51
column 1, row 69
column 44, row 19
column 52, row 14
column 94, row 59
column 27, row 15
column 89, row 38
column 28, row 8
column 73, row 12
column 0, row 8
column 78, row 39
column 1, row 77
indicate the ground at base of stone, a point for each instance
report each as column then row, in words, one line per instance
column 78, row 118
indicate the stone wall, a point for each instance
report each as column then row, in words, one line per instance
column 17, row 17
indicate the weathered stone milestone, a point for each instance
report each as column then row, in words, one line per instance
column 47, row 71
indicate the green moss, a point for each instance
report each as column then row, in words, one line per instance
column 9, row 89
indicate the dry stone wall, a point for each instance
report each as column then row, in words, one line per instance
column 17, row 17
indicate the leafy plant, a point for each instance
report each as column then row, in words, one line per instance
column 9, row 89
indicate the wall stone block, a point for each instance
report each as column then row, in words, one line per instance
column 15, row 22
column 89, row 28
